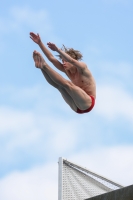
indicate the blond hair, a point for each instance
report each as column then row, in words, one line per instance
column 75, row 54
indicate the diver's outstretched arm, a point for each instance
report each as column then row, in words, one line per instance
column 37, row 39
column 79, row 65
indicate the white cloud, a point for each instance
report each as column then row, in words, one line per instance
column 14, row 120
column 37, row 183
column 120, row 71
column 34, row 19
column 65, row 137
column 20, row 17
column 23, row 127
column 114, row 163
column 113, row 102
column 26, row 127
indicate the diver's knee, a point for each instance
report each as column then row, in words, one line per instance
column 68, row 85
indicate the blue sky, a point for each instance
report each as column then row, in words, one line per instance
column 36, row 125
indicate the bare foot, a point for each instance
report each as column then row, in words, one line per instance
column 39, row 60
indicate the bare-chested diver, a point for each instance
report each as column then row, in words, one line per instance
column 80, row 92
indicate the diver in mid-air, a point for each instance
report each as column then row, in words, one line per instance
column 80, row 92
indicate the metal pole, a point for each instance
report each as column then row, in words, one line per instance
column 60, row 179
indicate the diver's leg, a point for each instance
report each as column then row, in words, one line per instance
column 79, row 97
column 68, row 99
column 49, row 80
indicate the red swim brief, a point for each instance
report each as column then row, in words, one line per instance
column 89, row 109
